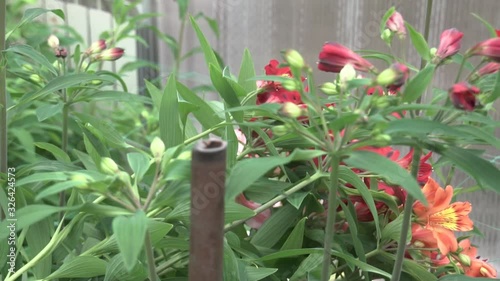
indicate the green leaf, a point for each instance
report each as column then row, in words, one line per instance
column 490, row 28
column 40, row 177
column 247, row 71
column 31, row 214
column 495, row 93
column 204, row 114
column 58, row 153
column 37, row 237
column 392, row 231
column 210, row 57
column 34, row 55
column 247, row 171
column 416, row 270
column 234, row 211
column 417, row 86
column 115, row 96
column 130, row 233
column 170, row 127
column 295, row 239
column 419, row 42
column 139, row 163
column 48, row 110
column 391, row 171
column 116, row 270
column 230, row 265
column 183, row 6
column 80, row 267
column 155, row 93
column 307, row 265
column 59, row 83
column 31, row 14
column 275, row 227
column 225, row 90
column 484, row 172
column 56, row 188
column 259, row 273
column 385, row 18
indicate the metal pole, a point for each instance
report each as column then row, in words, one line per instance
column 208, row 170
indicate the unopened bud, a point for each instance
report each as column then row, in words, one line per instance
column 157, row 148
column 294, row 59
column 464, row 259
column 381, row 102
column 387, row 36
column 96, row 82
column 109, row 166
column 289, row 84
column 96, row 47
column 61, row 52
column 395, row 75
column 27, row 67
column 110, row 54
column 291, row 110
column 53, row 41
column 185, row 155
column 280, row 130
column 35, row 78
column 347, row 73
column 433, row 51
column 82, row 179
column 382, row 139
column 329, row 88
column 145, row 114
column 124, row 178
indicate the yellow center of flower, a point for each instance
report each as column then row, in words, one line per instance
column 446, row 218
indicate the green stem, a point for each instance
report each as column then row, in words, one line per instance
column 180, row 41
column 152, row 189
column 207, row 132
column 278, row 198
column 151, row 258
column 3, row 97
column 408, row 210
column 450, row 175
column 332, row 213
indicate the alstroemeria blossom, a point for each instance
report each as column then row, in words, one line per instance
column 396, row 24
column 257, row 221
column 475, row 267
column 463, row 96
column 489, row 48
column 441, row 217
column 334, row 56
column 274, row 92
column 449, row 43
column 110, row 54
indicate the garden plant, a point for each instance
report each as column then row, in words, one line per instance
column 343, row 180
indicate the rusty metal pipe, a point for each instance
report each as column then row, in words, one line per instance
column 208, row 173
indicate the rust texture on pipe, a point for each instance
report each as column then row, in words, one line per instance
column 208, row 170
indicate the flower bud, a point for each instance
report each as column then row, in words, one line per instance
column 290, row 110
column 329, row 88
column 53, row 41
column 280, row 130
column 395, row 75
column 347, row 73
column 185, row 155
column 35, row 78
column 419, row 244
column 110, row 54
column 386, row 36
column 82, row 179
column 396, row 24
column 61, row 53
column 381, row 102
column 464, row 259
column 294, row 59
column 157, row 148
column 109, row 166
column 449, row 43
column 124, row 177
column 27, row 67
column 463, row 96
column 433, row 51
column 382, row 139
column 290, row 85
column 96, row 47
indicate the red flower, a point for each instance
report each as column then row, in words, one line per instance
column 488, row 68
column 424, row 170
column 449, row 43
column 396, row 24
column 333, row 57
column 273, row 92
column 463, row 96
column 498, row 32
column 257, row 220
column 489, row 48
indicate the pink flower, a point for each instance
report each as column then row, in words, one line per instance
column 257, row 221
column 449, row 43
column 463, row 96
column 396, row 24
column 489, row 48
column 96, row 47
column 110, row 54
column 489, row 68
column 273, row 92
column 334, row 56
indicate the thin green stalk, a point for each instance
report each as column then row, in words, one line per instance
column 151, row 258
column 408, row 210
column 206, row 132
column 180, row 41
column 278, row 198
column 3, row 97
column 332, row 213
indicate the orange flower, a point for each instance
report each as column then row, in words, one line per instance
column 475, row 267
column 441, row 217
